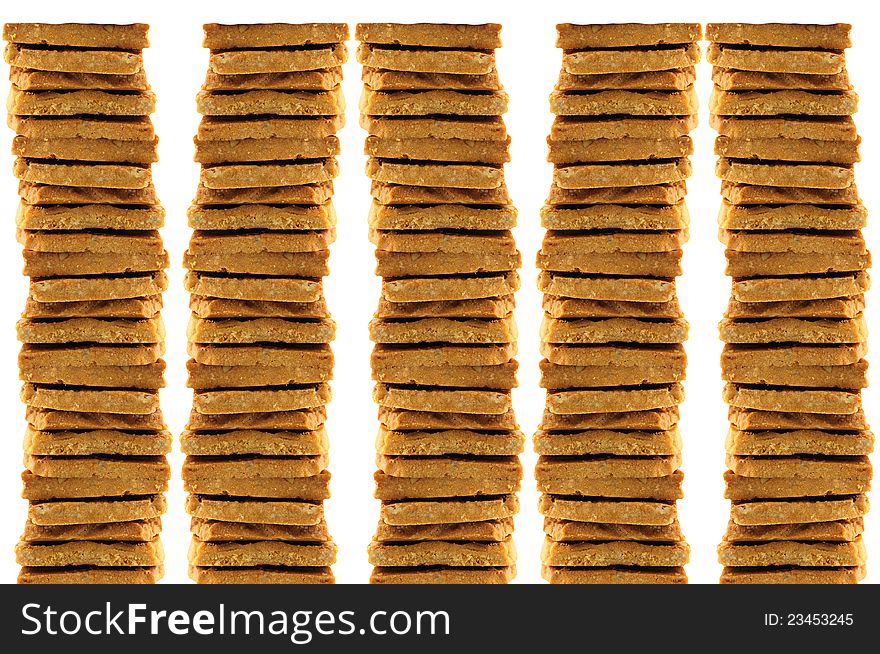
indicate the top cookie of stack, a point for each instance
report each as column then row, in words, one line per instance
column 444, row 332
column 612, row 335
column 92, row 332
column 260, row 330
column 794, row 330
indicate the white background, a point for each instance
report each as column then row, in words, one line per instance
column 528, row 65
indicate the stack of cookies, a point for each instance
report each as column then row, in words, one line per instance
column 445, row 337
column 263, row 220
column 794, row 329
column 93, row 338
column 609, row 449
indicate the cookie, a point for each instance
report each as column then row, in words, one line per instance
column 218, row 531
column 255, row 441
column 149, row 376
column 103, row 441
column 566, row 531
column 95, row 61
column 626, row 512
column 781, row 35
column 73, row 264
column 394, row 489
column 663, row 264
column 105, row 510
column 102, row 150
column 325, row 79
column 260, row 400
column 573, row 152
column 842, row 401
column 444, row 175
column 247, row 61
column 132, row 531
column 748, row 80
column 45, row 80
column 91, row 401
column 274, row 553
column 612, row 330
column 88, row 216
column 618, row 101
column 261, row 575
column 488, row 402
column 396, row 198
column 75, row 330
column 91, row 575
column 846, row 376
column 276, row 149
column 275, row 264
column 614, row 575
column 397, row 80
column 450, row 441
column 806, row 331
column 125, row 555
column 447, row 130
column 630, row 127
column 78, row 102
column 561, row 377
column 486, row 531
column 499, row 377
column 653, row 419
column 792, row 575
column 436, row 330
column 771, row 149
column 837, row 531
column 428, row 553
column 773, row 103
column 271, row 102
column 276, row 330
column 440, row 575
column 255, row 511
column 794, row 216
column 441, row 216
column 233, row 176
column 622, row 174
column 621, row 399
column 565, row 307
column 319, row 217
column 799, row 511
column 594, row 61
column 448, row 511
column 595, row 555
column 122, row 176
column 428, row 149
column 677, row 79
column 570, row 36
column 272, row 35
column 447, row 60
column 433, row 102
column 608, row 441
column 798, row 441
column 783, row 174
column 250, row 289
column 490, row 308
column 38, row 489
